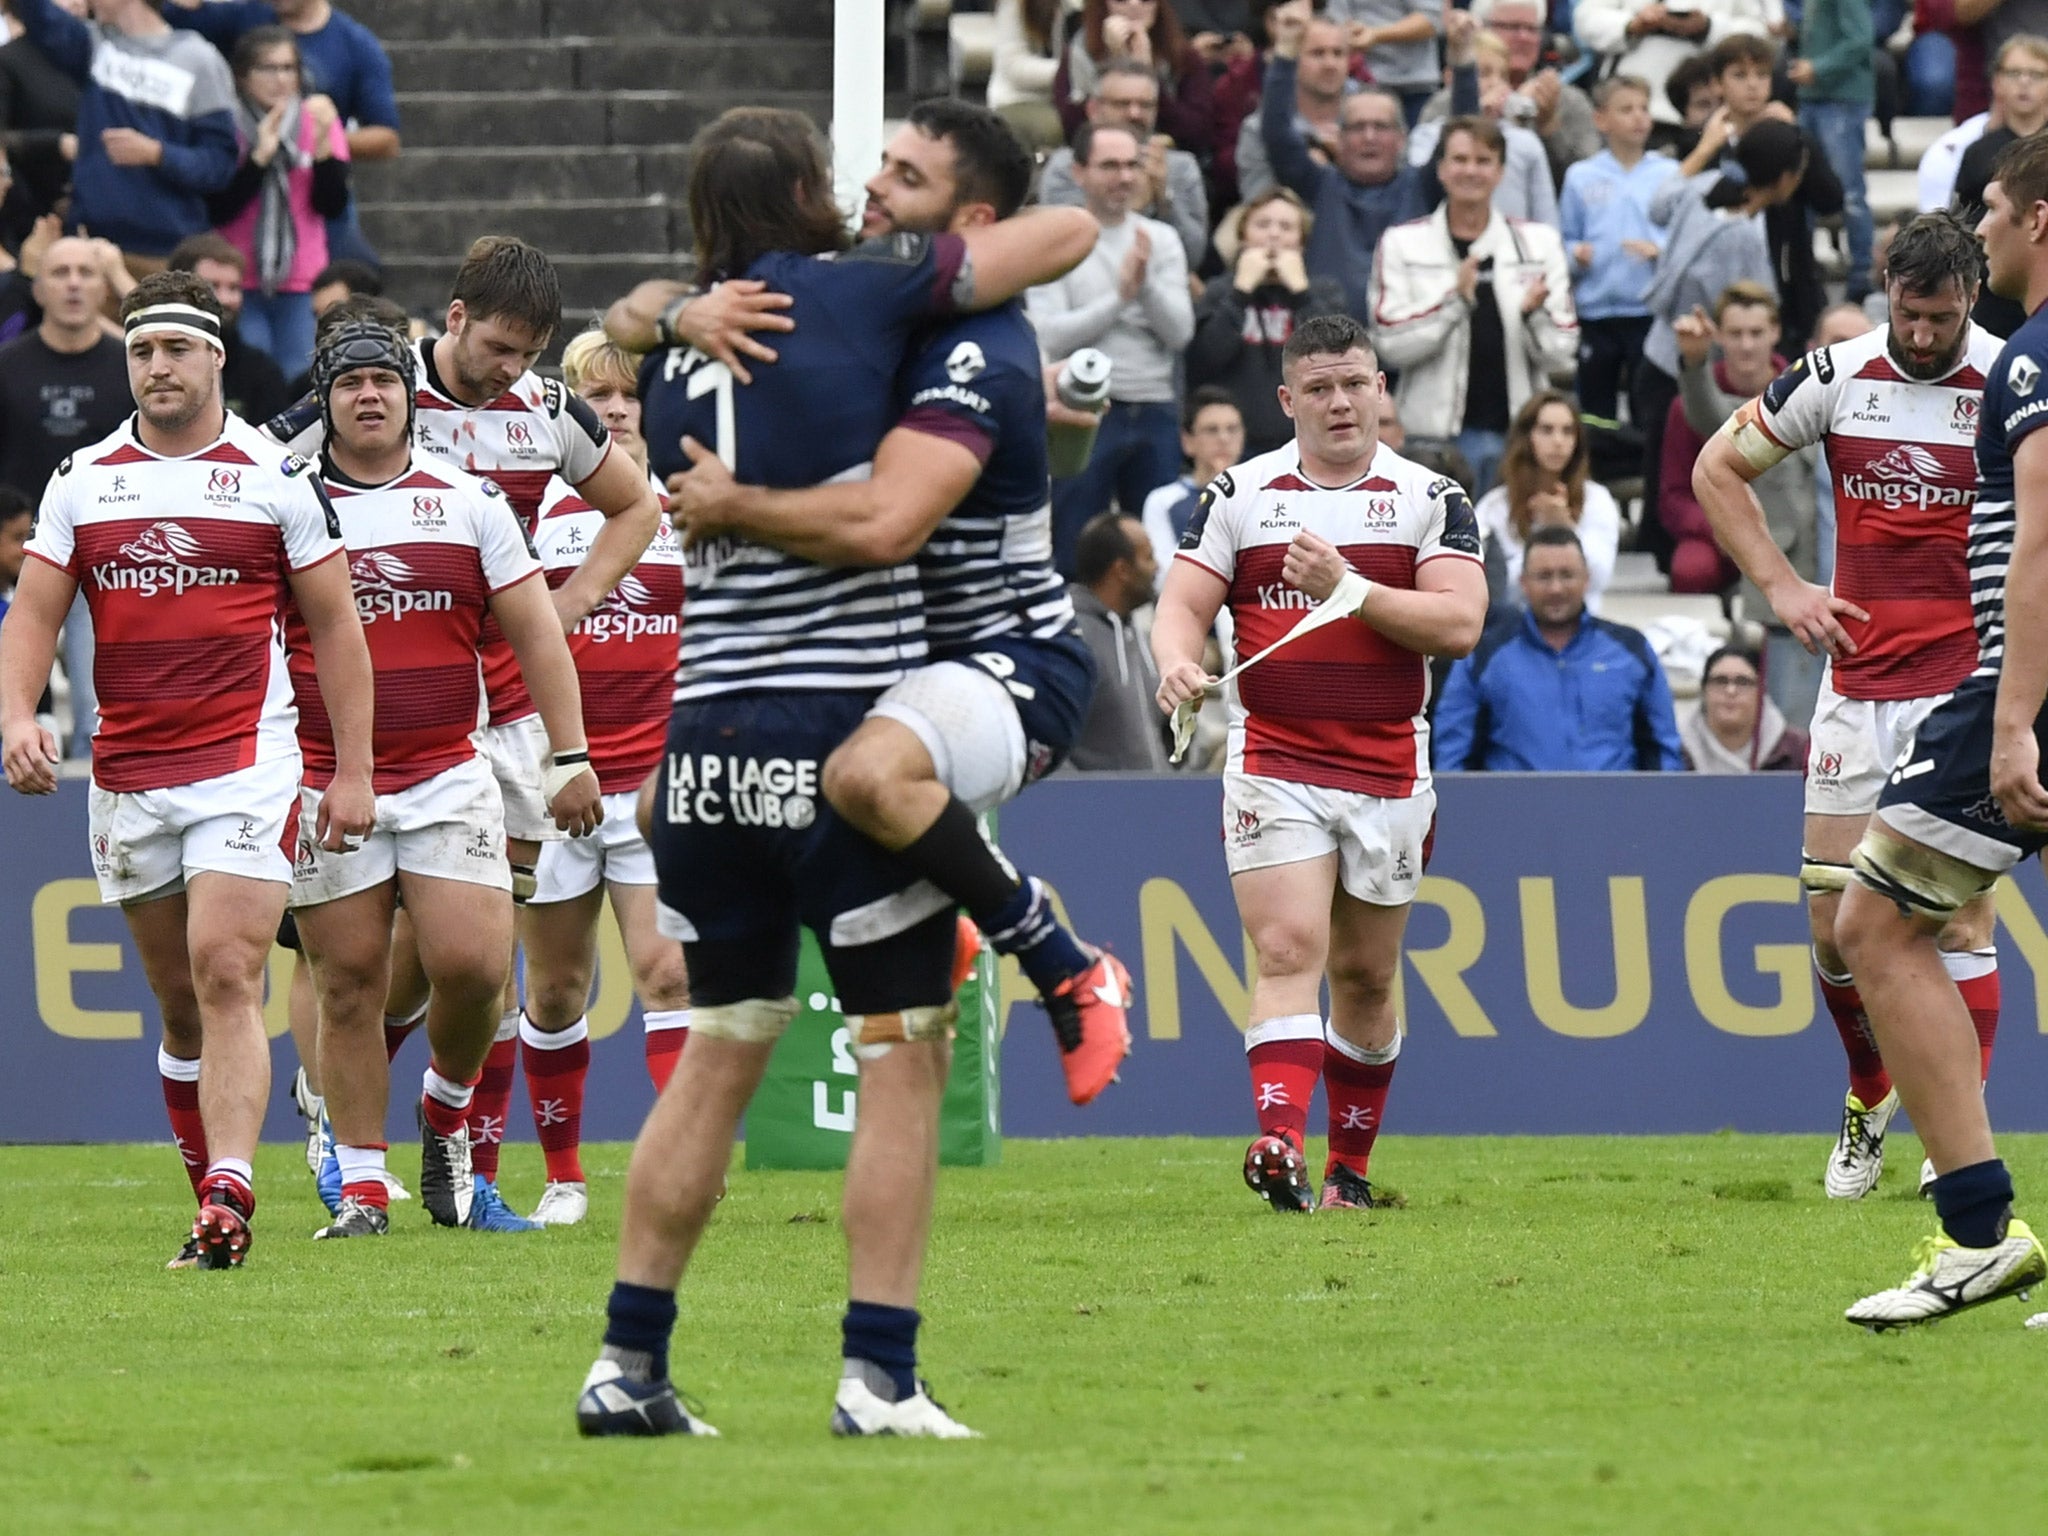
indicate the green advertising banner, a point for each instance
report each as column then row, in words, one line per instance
column 803, row 1115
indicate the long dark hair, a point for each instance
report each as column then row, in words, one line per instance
column 1524, row 477
column 760, row 181
column 1169, row 42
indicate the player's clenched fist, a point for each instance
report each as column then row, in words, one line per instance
column 578, row 806
column 1313, row 565
column 1180, row 682
column 30, row 753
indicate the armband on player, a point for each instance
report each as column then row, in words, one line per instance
column 1746, row 430
column 665, row 322
column 562, row 767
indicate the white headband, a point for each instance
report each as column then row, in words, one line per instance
column 184, row 319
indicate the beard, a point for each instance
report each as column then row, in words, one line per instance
column 174, row 413
column 1943, row 364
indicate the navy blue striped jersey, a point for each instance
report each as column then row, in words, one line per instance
column 987, row 569
column 762, row 620
column 2015, row 404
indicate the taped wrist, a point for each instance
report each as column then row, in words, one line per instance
column 1351, row 591
column 562, row 767
column 665, row 323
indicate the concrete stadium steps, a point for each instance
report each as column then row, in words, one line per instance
column 612, row 64
column 494, row 20
column 589, row 283
column 431, row 228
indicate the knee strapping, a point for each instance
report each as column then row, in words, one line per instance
column 1822, row 875
column 874, row 1033
column 525, row 882
column 1919, row 881
column 755, row 1021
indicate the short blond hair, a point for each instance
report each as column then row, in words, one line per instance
column 593, row 357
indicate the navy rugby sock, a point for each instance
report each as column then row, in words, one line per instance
column 1012, row 913
column 638, row 1322
column 886, row 1338
column 1974, row 1203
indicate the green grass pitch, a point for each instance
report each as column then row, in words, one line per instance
column 1569, row 1335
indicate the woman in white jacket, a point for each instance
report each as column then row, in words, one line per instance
column 1029, row 38
column 1475, row 309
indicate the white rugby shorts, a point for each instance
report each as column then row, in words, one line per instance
column 149, row 842
column 615, row 851
column 968, row 723
column 1379, row 843
column 518, row 754
column 450, row 827
column 1855, row 745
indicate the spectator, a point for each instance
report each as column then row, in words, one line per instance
column 1398, row 39
column 1526, row 190
column 1742, row 68
column 2019, row 87
column 1969, row 91
column 17, row 519
column 1130, row 299
column 1737, row 729
column 39, row 111
column 1935, row 180
column 1544, row 485
column 1613, row 244
column 1367, row 187
column 1322, row 79
column 1030, row 36
column 1558, row 113
column 18, row 309
column 251, row 383
column 1212, row 437
column 344, row 62
column 1127, row 94
column 1148, row 33
column 1245, row 315
column 156, row 127
column 1745, row 323
column 1649, row 39
column 292, row 179
column 1713, row 237
column 1115, row 576
column 1475, row 312
column 1693, row 94
column 1553, row 689
column 1836, row 89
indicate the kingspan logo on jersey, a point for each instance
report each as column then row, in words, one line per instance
column 387, row 588
column 630, row 612
column 1908, row 475
column 162, row 559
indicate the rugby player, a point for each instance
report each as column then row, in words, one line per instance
column 432, row 551
column 191, row 534
column 961, row 486
column 1965, row 804
column 781, row 660
column 1896, row 409
column 1328, row 811
column 625, row 654
column 482, row 408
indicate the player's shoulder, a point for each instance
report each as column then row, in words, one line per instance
column 979, row 350
column 1982, row 349
column 1276, row 469
column 244, row 448
column 117, row 448
column 1823, row 371
column 2019, row 364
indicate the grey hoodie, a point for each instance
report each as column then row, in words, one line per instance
column 1705, row 250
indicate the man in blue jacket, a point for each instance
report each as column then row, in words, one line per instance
column 156, row 126
column 1555, row 690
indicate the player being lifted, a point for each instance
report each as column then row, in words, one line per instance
column 960, row 485
column 781, row 660
column 1966, row 804
column 625, row 654
column 432, row 551
column 191, row 534
column 1328, row 811
column 1897, row 411
column 482, row 408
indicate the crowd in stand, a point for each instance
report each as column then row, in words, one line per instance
column 1580, row 234
column 209, row 136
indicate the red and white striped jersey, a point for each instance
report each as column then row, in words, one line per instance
column 534, row 431
column 185, row 566
column 1341, row 708
column 625, row 649
column 1902, row 455
column 426, row 553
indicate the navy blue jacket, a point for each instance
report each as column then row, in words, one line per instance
column 1599, row 705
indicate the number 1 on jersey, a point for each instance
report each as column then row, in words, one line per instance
column 716, row 376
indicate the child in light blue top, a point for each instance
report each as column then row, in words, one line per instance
column 1610, row 241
